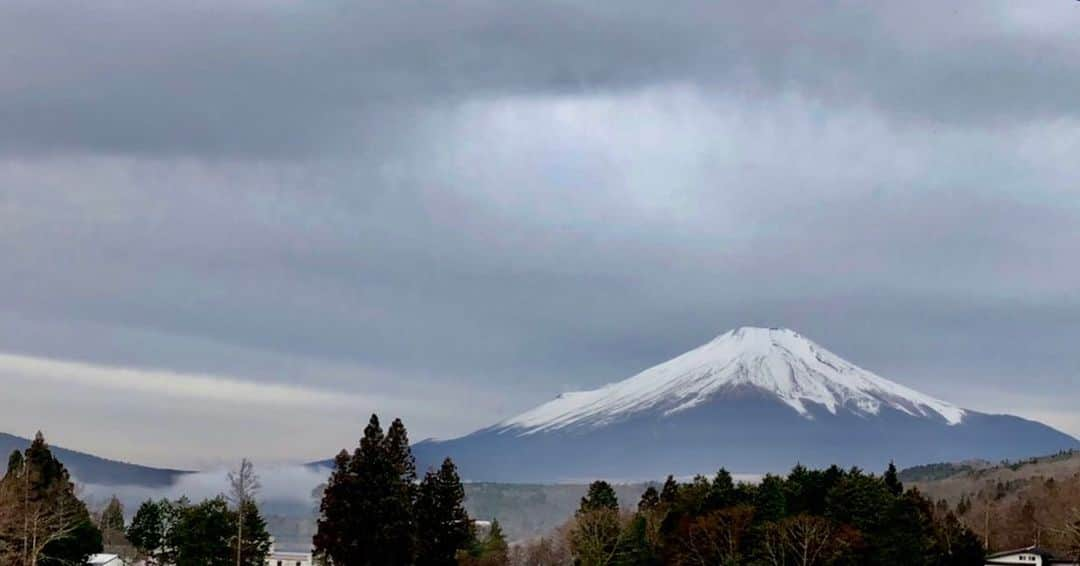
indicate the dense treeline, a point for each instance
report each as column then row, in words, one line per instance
column 374, row 513
column 810, row 517
column 215, row 532
column 182, row 533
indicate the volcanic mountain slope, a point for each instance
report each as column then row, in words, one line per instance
column 753, row 400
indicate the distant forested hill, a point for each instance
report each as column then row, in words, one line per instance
column 1012, row 503
column 91, row 469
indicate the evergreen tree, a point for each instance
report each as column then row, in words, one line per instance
column 256, row 541
column 600, row 496
column 111, row 524
column 771, row 499
column 334, row 537
column 398, row 527
column 202, row 534
column 635, row 547
column 496, row 551
column 906, row 535
column 722, row 490
column 650, row 500
column 366, row 514
column 670, row 492
column 892, row 480
column 42, row 522
column 15, row 462
column 148, row 530
column 112, row 518
column 859, row 500
column 443, row 526
column 956, row 545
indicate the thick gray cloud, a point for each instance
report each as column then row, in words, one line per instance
column 277, row 78
column 454, row 213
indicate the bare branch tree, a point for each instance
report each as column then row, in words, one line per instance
column 243, row 487
column 802, row 540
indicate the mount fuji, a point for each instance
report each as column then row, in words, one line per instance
column 753, row 400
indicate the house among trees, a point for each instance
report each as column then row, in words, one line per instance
column 1031, row 556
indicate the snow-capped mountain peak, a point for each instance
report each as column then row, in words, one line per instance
column 778, row 362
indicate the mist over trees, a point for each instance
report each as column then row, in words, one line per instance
column 182, row 533
column 222, row 531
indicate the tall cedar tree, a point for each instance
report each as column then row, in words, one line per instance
column 399, row 529
column 670, row 492
column 892, row 481
column 366, row 514
column 442, row 525
column 42, row 522
column 333, row 538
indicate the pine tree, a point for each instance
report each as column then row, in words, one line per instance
column 722, row 490
column 148, row 530
column 892, row 480
column 15, row 462
column 907, row 533
column 771, row 499
column 600, row 496
column 443, row 526
column 111, row 524
column 635, row 547
column 496, row 551
column 650, row 500
column 670, row 492
column 112, row 518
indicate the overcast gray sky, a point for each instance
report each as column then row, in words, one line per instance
column 238, row 228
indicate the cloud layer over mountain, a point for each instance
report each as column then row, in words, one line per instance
column 452, row 212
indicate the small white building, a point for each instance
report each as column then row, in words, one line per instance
column 106, row 560
column 1030, row 556
column 285, row 558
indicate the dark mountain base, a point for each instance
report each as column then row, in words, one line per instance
column 747, row 434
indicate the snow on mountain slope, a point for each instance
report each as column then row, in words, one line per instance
column 779, row 362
